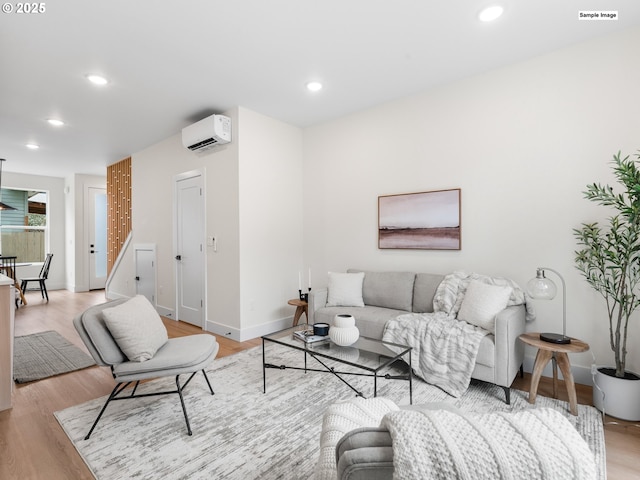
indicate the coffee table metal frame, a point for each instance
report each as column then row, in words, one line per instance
column 367, row 347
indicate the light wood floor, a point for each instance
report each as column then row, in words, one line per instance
column 33, row 446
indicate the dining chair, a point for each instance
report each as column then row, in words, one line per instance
column 41, row 278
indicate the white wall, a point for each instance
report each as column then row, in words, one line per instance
column 253, row 207
column 153, row 172
column 271, row 218
column 54, row 186
column 521, row 142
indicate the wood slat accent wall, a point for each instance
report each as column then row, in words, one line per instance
column 118, row 208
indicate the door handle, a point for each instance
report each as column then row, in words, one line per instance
column 178, row 257
column 137, row 279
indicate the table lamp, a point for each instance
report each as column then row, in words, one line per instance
column 542, row 288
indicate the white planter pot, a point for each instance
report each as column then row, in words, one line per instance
column 621, row 395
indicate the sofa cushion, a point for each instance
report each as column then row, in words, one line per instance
column 136, row 327
column 388, row 289
column 345, row 290
column 424, row 289
column 482, row 302
column 181, row 353
column 369, row 320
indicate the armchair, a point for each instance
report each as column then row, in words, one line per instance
column 177, row 356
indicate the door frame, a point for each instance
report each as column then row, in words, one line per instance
column 89, row 219
column 152, row 248
column 203, row 281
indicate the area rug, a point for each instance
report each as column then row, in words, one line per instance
column 243, row 433
column 45, row 354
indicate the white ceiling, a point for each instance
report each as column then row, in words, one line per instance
column 171, row 63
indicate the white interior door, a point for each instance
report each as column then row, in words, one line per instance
column 97, row 238
column 145, row 258
column 190, row 257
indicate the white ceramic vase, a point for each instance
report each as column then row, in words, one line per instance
column 344, row 331
column 621, row 396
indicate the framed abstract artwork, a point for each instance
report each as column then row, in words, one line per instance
column 425, row 220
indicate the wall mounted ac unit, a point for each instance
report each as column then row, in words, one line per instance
column 207, row 133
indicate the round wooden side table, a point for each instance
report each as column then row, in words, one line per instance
column 558, row 354
column 301, row 307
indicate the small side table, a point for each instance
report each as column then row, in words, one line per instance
column 558, row 354
column 301, row 307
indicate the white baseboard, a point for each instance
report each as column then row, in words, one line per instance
column 166, row 312
column 581, row 375
column 223, row 330
column 115, row 295
column 241, row 335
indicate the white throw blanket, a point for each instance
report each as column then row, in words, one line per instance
column 532, row 444
column 450, row 293
column 444, row 348
column 443, row 351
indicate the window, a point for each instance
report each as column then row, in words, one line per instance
column 24, row 231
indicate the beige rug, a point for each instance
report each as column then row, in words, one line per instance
column 242, row 433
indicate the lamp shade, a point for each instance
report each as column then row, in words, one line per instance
column 544, row 289
column 541, row 287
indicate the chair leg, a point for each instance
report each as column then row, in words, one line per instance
column 43, row 290
column 184, row 408
column 207, row 379
column 114, row 392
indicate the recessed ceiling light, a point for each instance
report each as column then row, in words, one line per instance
column 55, row 122
column 32, row 146
column 97, row 79
column 491, row 13
column 314, row 86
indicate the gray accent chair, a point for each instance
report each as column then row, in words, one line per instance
column 189, row 354
column 366, row 453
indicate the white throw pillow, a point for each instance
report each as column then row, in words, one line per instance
column 136, row 327
column 345, row 290
column 481, row 304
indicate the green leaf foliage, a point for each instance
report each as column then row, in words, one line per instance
column 608, row 256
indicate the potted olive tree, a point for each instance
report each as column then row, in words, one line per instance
column 609, row 259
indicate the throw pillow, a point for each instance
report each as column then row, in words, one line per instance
column 482, row 302
column 136, row 327
column 345, row 290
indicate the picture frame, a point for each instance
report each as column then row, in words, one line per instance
column 424, row 220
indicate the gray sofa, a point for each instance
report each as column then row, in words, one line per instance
column 389, row 294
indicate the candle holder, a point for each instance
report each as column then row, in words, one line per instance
column 304, row 296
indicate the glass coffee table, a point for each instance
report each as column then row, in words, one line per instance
column 370, row 357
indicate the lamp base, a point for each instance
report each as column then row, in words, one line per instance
column 555, row 338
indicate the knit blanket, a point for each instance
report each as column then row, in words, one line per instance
column 342, row 417
column 444, row 349
column 532, row 444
